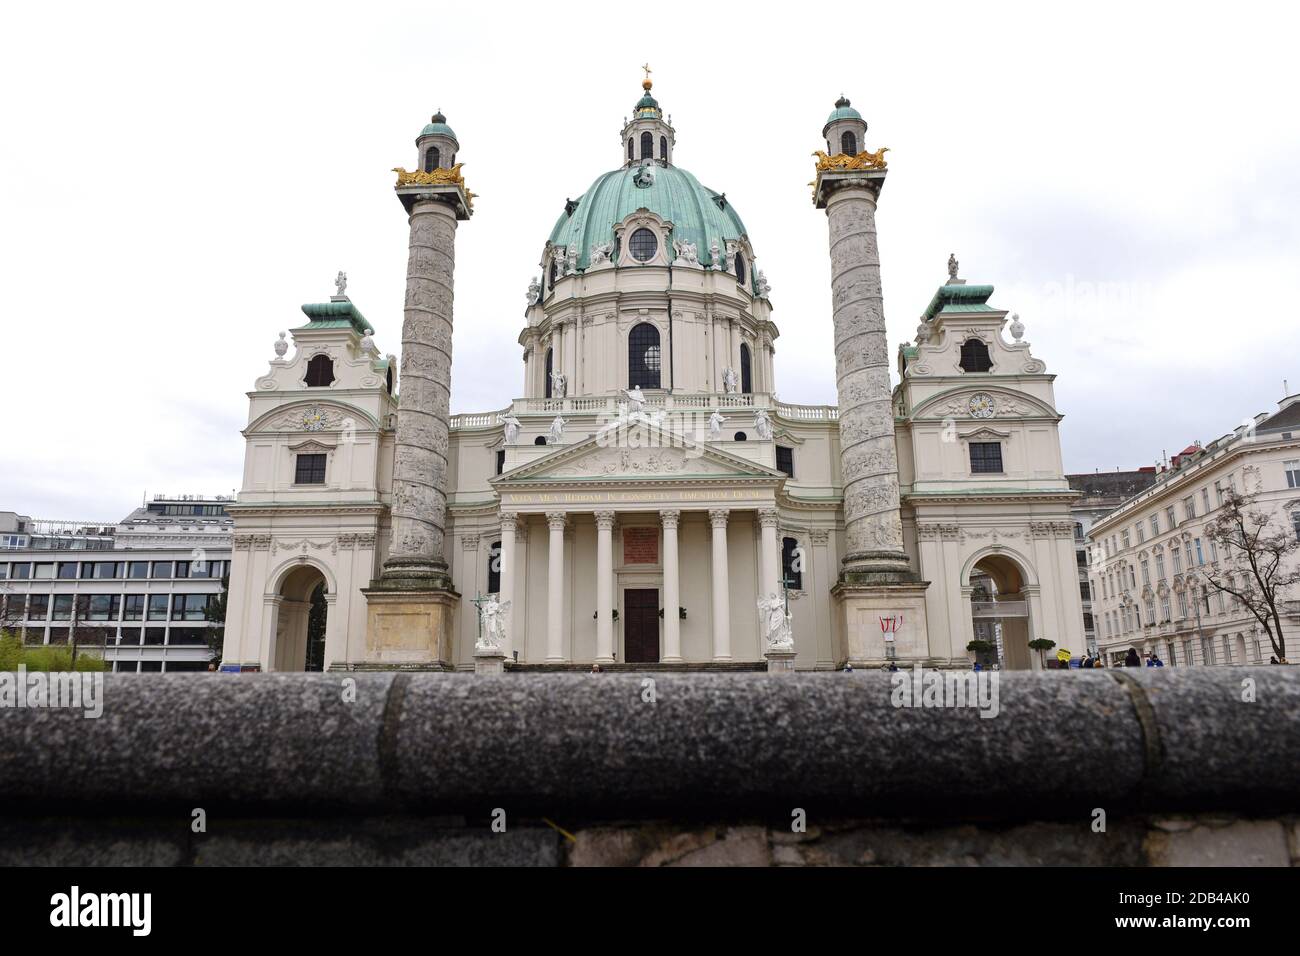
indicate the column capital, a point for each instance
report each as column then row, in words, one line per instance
column 669, row 517
column 604, row 520
column 556, row 520
column 718, row 517
column 769, row 517
column 510, row 521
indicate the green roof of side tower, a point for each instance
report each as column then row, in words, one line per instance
column 842, row 111
column 437, row 126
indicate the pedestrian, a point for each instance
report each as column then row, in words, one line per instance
column 1131, row 659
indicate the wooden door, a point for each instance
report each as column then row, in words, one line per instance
column 641, row 625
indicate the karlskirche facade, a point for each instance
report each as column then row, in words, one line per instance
column 648, row 501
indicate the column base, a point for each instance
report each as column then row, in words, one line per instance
column 877, row 568
column 882, row 621
column 489, row 662
column 414, row 574
column 780, row 662
column 408, row 627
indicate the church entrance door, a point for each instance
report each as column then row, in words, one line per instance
column 641, row 627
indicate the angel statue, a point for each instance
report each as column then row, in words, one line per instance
column 716, row 421
column 600, row 253
column 534, row 290
column 341, row 282
column 952, row 266
column 512, row 428
column 687, row 254
column 776, row 622
column 492, row 618
column 637, row 399
column 557, row 430
column 730, row 381
column 762, row 425
column 558, row 384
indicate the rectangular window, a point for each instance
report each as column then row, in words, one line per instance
column 1200, row 557
column 181, row 569
column 1155, row 525
column 1160, row 566
column 138, row 569
column 494, row 568
column 154, row 636
column 189, row 607
column 1292, row 469
column 133, row 608
column 1141, row 532
column 1164, row 608
column 43, row 571
column 62, row 607
column 4, row 570
column 1146, row 571
column 108, row 569
column 1126, row 540
column 129, row 636
column 68, row 570
column 785, row 460
column 1169, row 518
column 501, row 460
column 310, row 470
column 792, row 563
column 1205, row 500
column 21, row 571
column 1182, row 604
column 157, row 607
column 38, row 607
column 103, row 607
column 199, row 569
column 161, row 569
column 181, row 636
column 1178, row 560
column 1189, row 507
column 1218, row 492
column 986, row 457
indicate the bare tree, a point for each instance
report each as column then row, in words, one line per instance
column 1256, row 566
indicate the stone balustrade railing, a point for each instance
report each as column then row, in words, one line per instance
column 609, row 405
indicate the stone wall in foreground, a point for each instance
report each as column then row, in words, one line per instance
column 1198, row 766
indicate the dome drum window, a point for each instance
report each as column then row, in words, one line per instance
column 644, row 357
column 975, row 356
column 643, row 245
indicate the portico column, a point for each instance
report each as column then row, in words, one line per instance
column 604, row 587
column 509, row 524
column 555, row 588
column 672, row 591
column 721, row 587
column 770, row 557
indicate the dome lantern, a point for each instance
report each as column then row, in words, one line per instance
column 437, row 144
column 845, row 130
column 647, row 138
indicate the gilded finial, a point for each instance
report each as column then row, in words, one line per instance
column 646, row 84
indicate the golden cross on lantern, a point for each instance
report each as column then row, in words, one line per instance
column 646, row 82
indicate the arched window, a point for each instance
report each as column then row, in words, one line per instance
column 320, row 371
column 740, row 268
column 549, row 366
column 390, row 380
column 644, row 245
column 663, row 148
column 740, row 436
column 431, row 159
column 792, row 563
column 643, row 356
column 552, row 274
column 630, row 149
column 849, row 143
column 746, row 370
column 539, row 440
column 975, row 356
column 647, row 146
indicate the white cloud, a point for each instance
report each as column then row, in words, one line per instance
column 176, row 181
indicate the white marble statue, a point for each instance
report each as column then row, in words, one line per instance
column 571, row 260
column 558, row 384
column 637, row 399
column 559, row 260
column 776, row 622
column 715, row 256
column 512, row 428
column 281, row 346
column 716, row 421
column 730, row 381
column 341, row 283
column 1017, row 327
column 557, row 430
column 762, row 425
column 764, row 289
column 492, row 634
column 687, row 254
column 368, row 342
column 645, row 177
column 952, row 266
column 600, row 253
column 534, row 290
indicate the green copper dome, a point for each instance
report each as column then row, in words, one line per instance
column 842, row 111
column 437, row 127
column 698, row 214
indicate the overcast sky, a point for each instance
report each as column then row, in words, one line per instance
column 175, row 181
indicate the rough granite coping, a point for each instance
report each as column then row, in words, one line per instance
column 591, row 744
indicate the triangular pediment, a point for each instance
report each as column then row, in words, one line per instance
column 637, row 451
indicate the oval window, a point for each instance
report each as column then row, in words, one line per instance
column 643, row 245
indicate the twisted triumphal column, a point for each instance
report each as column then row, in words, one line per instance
column 410, row 605
column 876, row 580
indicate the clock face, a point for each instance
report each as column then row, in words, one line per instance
column 981, row 405
column 313, row 419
